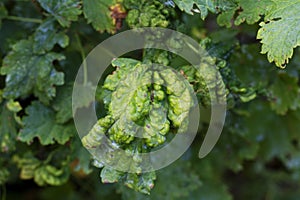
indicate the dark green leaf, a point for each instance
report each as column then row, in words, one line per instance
column 211, row 191
column 41, row 123
column 27, row 72
column 285, row 93
column 272, row 133
column 98, row 13
column 47, row 35
column 8, row 127
column 245, row 11
column 64, row 11
column 62, row 104
column 204, row 6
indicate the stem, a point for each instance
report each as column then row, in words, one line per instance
column 85, row 74
column 4, row 192
column 24, row 19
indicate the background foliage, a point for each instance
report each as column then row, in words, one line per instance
column 43, row 42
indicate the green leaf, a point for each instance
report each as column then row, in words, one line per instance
column 225, row 18
column 8, row 126
column 281, row 17
column 62, row 103
column 285, row 93
column 245, row 11
column 185, row 6
column 252, row 10
column 41, row 123
column 98, row 13
column 64, row 11
column 204, row 6
column 47, row 35
column 280, row 33
column 27, row 72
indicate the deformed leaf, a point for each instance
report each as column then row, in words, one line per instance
column 109, row 175
column 142, row 183
column 14, row 106
column 28, row 164
column 147, row 14
column 144, row 102
column 40, row 123
column 133, row 110
column 50, row 175
column 41, row 171
column 27, row 72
